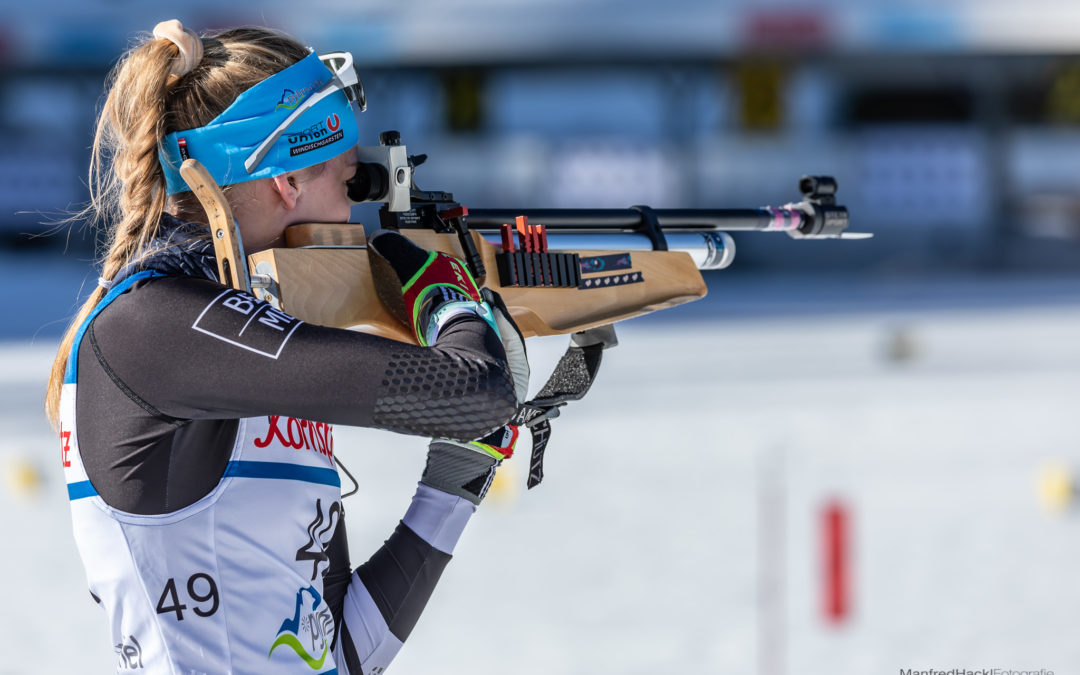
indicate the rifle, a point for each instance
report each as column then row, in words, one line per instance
column 559, row 271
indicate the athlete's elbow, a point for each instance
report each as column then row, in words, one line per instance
column 463, row 399
column 495, row 406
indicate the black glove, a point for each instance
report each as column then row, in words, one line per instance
column 428, row 288
column 467, row 469
column 517, row 359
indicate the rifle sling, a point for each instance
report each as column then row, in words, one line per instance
column 570, row 381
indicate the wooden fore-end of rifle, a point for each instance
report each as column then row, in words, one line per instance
column 324, row 276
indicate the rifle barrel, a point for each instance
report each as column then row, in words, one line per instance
column 671, row 221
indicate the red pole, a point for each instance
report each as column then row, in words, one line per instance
column 837, row 565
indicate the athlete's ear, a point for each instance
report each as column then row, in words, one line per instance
column 285, row 186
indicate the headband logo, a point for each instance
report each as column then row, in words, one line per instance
column 318, row 135
column 290, row 99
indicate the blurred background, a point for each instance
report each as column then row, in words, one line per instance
column 851, row 457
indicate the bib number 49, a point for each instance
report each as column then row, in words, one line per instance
column 170, row 601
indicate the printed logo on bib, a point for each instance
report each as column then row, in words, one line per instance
column 299, row 435
column 130, row 652
column 309, row 630
column 319, row 532
column 241, row 320
column 65, row 447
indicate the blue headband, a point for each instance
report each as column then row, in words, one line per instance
column 321, row 132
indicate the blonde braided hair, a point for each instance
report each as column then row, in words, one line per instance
column 156, row 88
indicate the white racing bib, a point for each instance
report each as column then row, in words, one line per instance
column 231, row 583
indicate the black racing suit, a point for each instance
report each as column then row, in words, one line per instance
column 160, row 396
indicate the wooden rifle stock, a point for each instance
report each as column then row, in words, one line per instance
column 323, row 276
column 228, row 248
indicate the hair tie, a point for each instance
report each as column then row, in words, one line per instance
column 185, row 39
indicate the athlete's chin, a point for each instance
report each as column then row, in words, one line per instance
column 340, row 215
column 276, row 242
column 262, row 243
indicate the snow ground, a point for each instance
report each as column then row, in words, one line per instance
column 677, row 528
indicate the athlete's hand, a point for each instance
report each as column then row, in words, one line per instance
column 431, row 287
column 467, row 469
column 517, row 359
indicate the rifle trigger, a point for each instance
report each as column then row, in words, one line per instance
column 457, row 212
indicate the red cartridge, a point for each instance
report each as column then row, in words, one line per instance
column 524, row 234
column 507, row 233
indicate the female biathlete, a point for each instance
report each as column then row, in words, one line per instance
column 195, row 421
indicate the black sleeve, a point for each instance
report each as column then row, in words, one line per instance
column 191, row 349
column 400, row 577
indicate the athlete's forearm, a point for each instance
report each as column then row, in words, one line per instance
column 229, row 355
column 388, row 593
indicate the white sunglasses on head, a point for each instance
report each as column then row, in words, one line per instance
column 345, row 79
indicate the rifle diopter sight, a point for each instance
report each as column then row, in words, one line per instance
column 384, row 173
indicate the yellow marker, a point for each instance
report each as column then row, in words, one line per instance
column 1056, row 487
column 23, row 478
column 506, row 486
